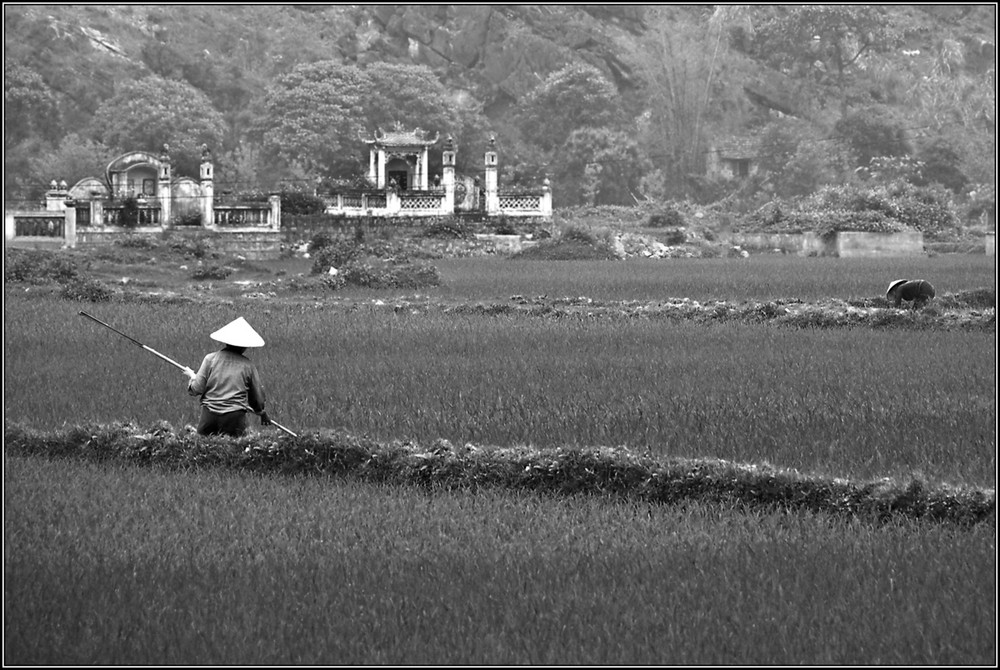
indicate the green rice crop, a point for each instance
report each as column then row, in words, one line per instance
column 116, row 565
column 846, row 402
column 764, row 277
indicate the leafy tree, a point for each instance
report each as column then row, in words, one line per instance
column 692, row 84
column 574, row 97
column 314, row 115
column 828, row 42
column 29, row 107
column 30, row 118
column 794, row 159
column 599, row 166
column 153, row 111
column 74, row 158
column 872, row 132
column 942, row 165
column 406, row 93
column 312, row 118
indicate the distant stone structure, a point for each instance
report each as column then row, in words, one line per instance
column 91, row 210
column 400, row 184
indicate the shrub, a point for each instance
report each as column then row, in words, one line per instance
column 86, row 290
column 321, row 241
column 211, row 272
column 136, row 242
column 38, row 267
column 573, row 233
column 449, row 228
column 198, row 248
column 335, row 254
column 926, row 208
column 503, row 226
column 415, row 275
column 129, row 213
column 301, row 203
column 667, row 217
column 368, row 275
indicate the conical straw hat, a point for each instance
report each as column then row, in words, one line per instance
column 238, row 333
column 895, row 284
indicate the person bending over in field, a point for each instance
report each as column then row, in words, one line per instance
column 228, row 382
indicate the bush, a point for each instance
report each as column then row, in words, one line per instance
column 301, row 203
column 211, row 272
column 335, row 254
column 129, row 213
column 885, row 208
column 367, row 275
column 136, row 242
column 38, row 267
column 321, row 241
column 573, row 233
column 503, row 226
column 86, row 290
column 194, row 248
column 667, row 217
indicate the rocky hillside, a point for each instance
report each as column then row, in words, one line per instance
column 496, row 52
column 489, row 57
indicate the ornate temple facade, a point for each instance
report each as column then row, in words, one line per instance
column 401, row 184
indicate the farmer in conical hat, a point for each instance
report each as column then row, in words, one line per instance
column 228, row 382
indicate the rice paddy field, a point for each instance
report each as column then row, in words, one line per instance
column 110, row 562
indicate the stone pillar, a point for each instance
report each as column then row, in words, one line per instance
column 207, row 189
column 55, row 197
column 163, row 188
column 8, row 225
column 380, row 180
column 372, row 173
column 546, row 202
column 69, row 224
column 492, row 185
column 275, row 201
column 424, row 170
column 448, row 176
column 97, row 213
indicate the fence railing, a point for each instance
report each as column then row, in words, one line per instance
column 424, row 201
column 146, row 216
column 520, row 201
column 247, row 215
column 40, row 225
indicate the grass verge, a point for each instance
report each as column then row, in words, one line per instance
column 605, row 471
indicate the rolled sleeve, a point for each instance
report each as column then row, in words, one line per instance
column 198, row 385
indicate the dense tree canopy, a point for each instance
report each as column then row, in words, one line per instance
column 153, row 111
column 599, row 166
column 282, row 92
column 29, row 108
column 315, row 115
column 825, row 40
column 574, row 97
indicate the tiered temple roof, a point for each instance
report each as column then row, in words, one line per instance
column 402, row 138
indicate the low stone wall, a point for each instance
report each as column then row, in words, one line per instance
column 507, row 244
column 842, row 245
column 787, row 242
column 252, row 245
column 862, row 245
column 803, row 244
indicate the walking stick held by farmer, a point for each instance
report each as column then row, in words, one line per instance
column 228, row 383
